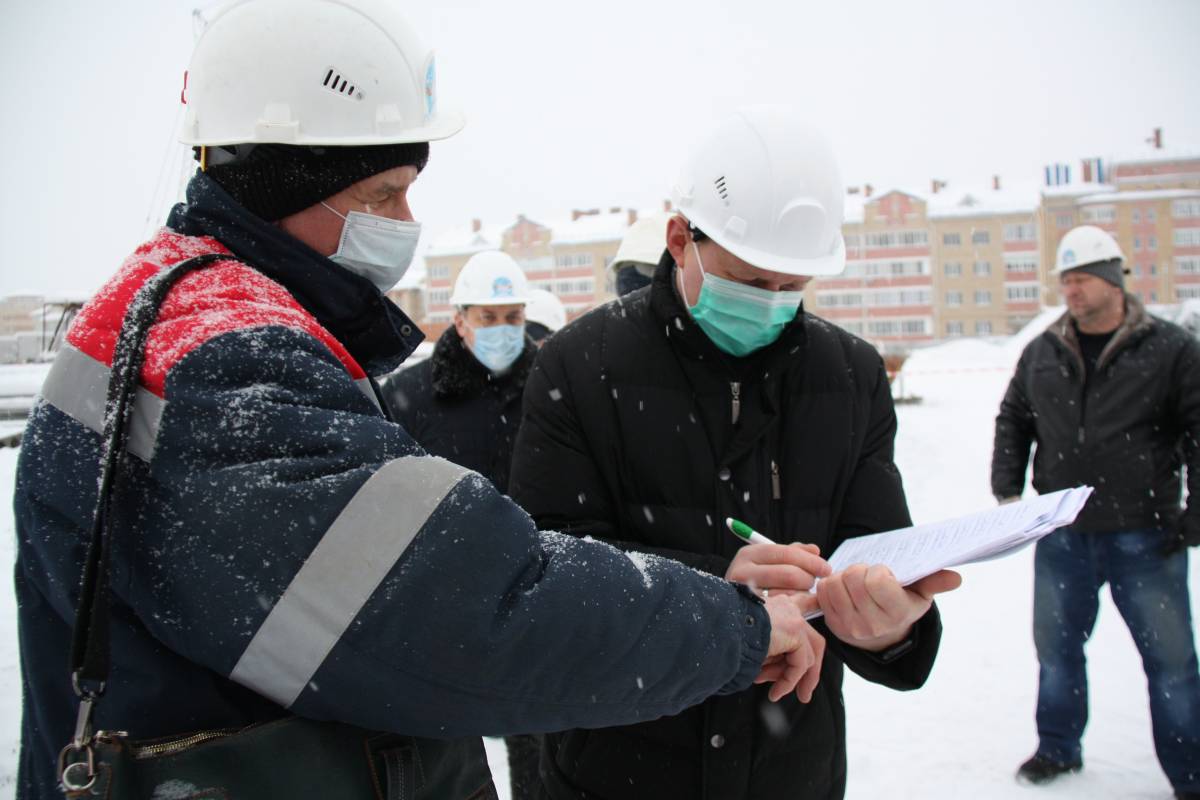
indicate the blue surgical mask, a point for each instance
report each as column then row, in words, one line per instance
column 376, row 248
column 498, row 346
column 740, row 319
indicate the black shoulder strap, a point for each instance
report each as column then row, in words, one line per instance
column 90, row 639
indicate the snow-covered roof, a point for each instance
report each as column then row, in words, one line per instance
column 1077, row 189
column 463, row 240
column 1149, row 194
column 607, row 226
column 1152, row 155
column 964, row 200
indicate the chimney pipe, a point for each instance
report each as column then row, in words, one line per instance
column 667, row 206
column 631, row 216
column 476, row 225
column 868, row 190
column 576, row 214
column 996, row 183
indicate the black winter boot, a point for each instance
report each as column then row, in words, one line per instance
column 1039, row 770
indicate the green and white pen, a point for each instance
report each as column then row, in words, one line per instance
column 745, row 532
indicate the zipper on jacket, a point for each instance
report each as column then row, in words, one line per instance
column 735, row 389
column 169, row 746
column 776, row 494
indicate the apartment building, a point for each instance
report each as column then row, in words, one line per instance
column 922, row 265
column 569, row 257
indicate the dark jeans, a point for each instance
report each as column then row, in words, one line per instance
column 1151, row 592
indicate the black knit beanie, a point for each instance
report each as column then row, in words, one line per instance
column 1112, row 271
column 274, row 181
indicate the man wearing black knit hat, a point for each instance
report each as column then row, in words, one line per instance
column 280, row 548
column 1111, row 397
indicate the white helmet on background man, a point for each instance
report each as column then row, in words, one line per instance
column 312, row 72
column 1085, row 245
column 490, row 278
column 546, row 309
column 643, row 243
column 765, row 186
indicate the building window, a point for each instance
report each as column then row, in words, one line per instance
column 954, row 328
column 1152, row 243
column 568, row 260
column 1153, row 297
column 898, row 239
column 983, row 328
column 575, row 286
column 853, row 240
column 951, row 239
column 1186, row 209
column 893, row 269
column 1187, row 237
column 438, row 297
column 1137, row 243
column 1137, row 216
column 1188, row 292
column 1064, row 220
column 1020, row 232
column 1187, row 265
column 1151, row 216
column 983, row 297
column 1026, row 265
column 980, row 237
column 952, row 269
column 893, row 327
column 439, row 271
column 1099, row 214
column 954, row 298
column 1022, row 293
column 1152, row 269
column 1137, row 270
column 983, row 268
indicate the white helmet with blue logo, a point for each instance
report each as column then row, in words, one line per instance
column 1085, row 245
column 312, row 72
column 490, row 278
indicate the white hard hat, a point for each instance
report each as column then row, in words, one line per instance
column 490, row 278
column 765, row 186
column 644, row 242
column 546, row 309
column 312, row 72
column 1085, row 245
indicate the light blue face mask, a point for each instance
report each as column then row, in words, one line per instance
column 498, row 346
column 376, row 248
column 740, row 319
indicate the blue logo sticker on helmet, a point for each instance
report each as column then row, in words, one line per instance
column 502, row 287
column 1068, row 258
column 430, row 88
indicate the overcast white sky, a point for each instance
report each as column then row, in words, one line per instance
column 575, row 104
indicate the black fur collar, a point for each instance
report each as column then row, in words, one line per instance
column 457, row 373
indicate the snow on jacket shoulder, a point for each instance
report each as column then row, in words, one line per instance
column 282, row 547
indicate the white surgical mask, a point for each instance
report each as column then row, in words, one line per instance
column 376, row 248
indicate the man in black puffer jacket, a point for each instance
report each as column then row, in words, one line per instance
column 464, row 402
column 1111, row 396
column 649, row 421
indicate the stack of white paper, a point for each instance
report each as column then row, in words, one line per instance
column 912, row 553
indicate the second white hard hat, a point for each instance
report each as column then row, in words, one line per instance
column 765, row 186
column 312, row 72
column 1085, row 245
column 490, row 278
column 643, row 243
column 546, row 309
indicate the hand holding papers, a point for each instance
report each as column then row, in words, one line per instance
column 916, row 552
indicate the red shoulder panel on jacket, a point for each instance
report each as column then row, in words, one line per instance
column 225, row 297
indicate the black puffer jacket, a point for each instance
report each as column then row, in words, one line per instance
column 1127, row 430
column 639, row 432
column 457, row 409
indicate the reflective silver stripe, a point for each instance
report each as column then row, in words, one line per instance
column 341, row 573
column 364, row 386
column 78, row 386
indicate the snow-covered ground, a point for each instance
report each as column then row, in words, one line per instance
column 966, row 731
